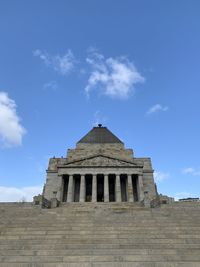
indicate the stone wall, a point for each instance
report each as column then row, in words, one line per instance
column 87, row 150
column 53, row 187
column 99, row 159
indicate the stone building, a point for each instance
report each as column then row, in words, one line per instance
column 99, row 169
column 107, row 216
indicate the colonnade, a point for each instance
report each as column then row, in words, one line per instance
column 103, row 188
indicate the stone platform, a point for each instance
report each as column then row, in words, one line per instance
column 100, row 235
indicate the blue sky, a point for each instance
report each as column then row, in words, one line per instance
column 132, row 65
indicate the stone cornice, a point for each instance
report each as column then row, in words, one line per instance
column 148, row 171
column 121, row 167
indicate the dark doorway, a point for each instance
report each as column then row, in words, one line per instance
column 100, row 188
column 134, row 183
column 65, row 187
column 76, row 187
column 123, row 181
column 88, row 185
column 111, row 179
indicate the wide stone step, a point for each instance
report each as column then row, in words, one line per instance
column 121, row 241
column 56, row 246
column 101, row 258
column 83, row 252
column 100, row 235
column 103, row 264
column 84, row 232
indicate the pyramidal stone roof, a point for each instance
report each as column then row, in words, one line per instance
column 100, row 135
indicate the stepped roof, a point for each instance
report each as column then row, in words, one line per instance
column 100, row 135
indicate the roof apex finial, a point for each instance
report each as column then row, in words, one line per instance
column 99, row 125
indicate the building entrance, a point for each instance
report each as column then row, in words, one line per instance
column 76, row 188
column 100, row 188
column 65, row 187
column 88, row 185
column 123, row 180
column 111, row 179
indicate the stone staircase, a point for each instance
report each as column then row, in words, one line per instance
column 100, row 235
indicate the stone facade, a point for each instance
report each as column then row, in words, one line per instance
column 99, row 169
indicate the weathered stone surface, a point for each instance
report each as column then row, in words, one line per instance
column 108, row 157
column 101, row 161
column 100, row 234
column 126, row 232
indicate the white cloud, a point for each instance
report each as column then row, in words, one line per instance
column 13, row 194
column 11, row 130
column 44, row 56
column 157, row 108
column 62, row 64
column 116, row 77
column 160, row 176
column 191, row 171
column 180, row 195
column 51, row 85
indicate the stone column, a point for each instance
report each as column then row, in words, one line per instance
column 118, row 193
column 130, row 189
column 106, row 188
column 140, row 187
column 70, row 189
column 60, row 188
column 82, row 189
column 94, row 188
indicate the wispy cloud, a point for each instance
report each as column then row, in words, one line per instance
column 191, row 171
column 51, row 85
column 161, row 176
column 62, row 64
column 115, row 77
column 99, row 118
column 156, row 108
column 11, row 130
column 13, row 194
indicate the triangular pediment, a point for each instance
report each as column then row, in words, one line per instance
column 100, row 161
